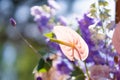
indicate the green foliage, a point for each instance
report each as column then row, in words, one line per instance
column 104, row 12
column 78, row 73
column 40, row 64
column 43, row 65
column 103, row 3
column 93, row 10
column 92, row 5
column 49, row 35
column 26, row 61
column 43, row 51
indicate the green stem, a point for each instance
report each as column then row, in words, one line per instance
column 61, row 42
column 29, row 45
column 87, row 70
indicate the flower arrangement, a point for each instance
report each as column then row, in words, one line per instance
column 86, row 53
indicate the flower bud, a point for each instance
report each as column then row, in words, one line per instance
column 13, row 22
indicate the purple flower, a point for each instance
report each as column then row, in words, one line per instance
column 84, row 24
column 63, row 68
column 94, row 54
column 99, row 72
column 43, row 20
column 62, row 20
column 53, row 4
column 42, row 15
column 86, row 21
column 117, row 75
column 36, row 10
column 13, row 22
column 99, row 23
column 38, row 78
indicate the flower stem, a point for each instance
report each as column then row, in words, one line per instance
column 87, row 71
column 61, row 42
column 29, row 45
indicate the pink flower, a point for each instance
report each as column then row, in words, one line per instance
column 74, row 46
column 99, row 72
column 116, row 38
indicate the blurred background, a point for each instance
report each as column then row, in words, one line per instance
column 17, row 60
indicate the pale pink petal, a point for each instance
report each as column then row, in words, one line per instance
column 116, row 38
column 68, row 35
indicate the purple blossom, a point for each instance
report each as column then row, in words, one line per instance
column 98, row 59
column 13, row 22
column 108, row 50
column 94, row 54
column 117, row 75
column 62, row 20
column 53, row 4
column 63, row 68
column 36, row 10
column 84, row 24
column 38, row 78
column 99, row 23
column 43, row 20
column 86, row 21
column 42, row 17
column 99, row 72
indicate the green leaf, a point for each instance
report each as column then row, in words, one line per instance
column 44, row 66
column 78, row 74
column 48, row 65
column 40, row 64
column 92, row 5
column 43, row 51
column 103, row 3
column 107, row 10
column 49, row 35
column 80, row 77
column 93, row 12
column 43, row 70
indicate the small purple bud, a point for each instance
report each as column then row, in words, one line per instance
column 13, row 22
column 39, row 78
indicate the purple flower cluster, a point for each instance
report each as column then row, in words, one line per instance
column 84, row 29
column 96, row 49
column 41, row 17
column 63, row 68
column 45, row 16
column 100, row 51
